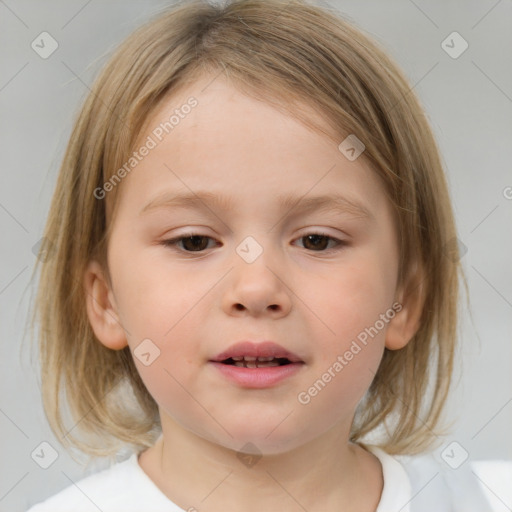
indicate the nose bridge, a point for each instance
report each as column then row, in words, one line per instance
column 256, row 283
column 255, row 259
column 250, row 249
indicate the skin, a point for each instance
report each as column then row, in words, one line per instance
column 194, row 305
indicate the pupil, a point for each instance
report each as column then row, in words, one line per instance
column 195, row 246
column 315, row 239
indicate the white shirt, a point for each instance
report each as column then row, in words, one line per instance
column 411, row 484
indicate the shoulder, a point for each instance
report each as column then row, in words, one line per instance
column 124, row 486
column 451, row 482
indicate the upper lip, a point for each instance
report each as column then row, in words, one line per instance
column 253, row 349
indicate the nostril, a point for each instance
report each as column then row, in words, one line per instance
column 241, row 307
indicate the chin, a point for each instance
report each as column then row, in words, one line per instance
column 262, row 439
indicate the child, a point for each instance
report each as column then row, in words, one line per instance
column 260, row 370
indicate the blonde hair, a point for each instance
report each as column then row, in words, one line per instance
column 289, row 53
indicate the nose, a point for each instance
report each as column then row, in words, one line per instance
column 257, row 289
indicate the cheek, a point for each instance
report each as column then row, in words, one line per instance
column 159, row 310
column 154, row 298
column 168, row 381
column 355, row 306
column 352, row 299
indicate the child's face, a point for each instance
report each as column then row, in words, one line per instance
column 311, row 296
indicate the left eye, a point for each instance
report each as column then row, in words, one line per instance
column 319, row 242
column 316, row 242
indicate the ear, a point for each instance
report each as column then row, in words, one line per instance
column 101, row 308
column 409, row 301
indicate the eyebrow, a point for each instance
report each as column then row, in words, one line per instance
column 204, row 200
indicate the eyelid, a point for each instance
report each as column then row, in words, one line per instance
column 173, row 242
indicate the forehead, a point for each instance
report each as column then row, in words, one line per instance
column 232, row 145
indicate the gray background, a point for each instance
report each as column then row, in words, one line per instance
column 468, row 101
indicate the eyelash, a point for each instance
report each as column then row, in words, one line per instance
column 173, row 242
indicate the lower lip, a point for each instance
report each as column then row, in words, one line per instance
column 258, row 378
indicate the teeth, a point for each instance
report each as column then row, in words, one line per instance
column 251, row 358
column 256, row 364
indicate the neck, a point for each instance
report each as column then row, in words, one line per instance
column 326, row 474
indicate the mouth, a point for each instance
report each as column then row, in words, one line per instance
column 257, row 365
column 256, row 362
column 247, row 354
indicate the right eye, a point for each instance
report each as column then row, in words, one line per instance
column 190, row 243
